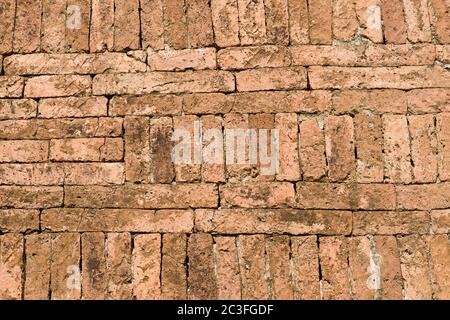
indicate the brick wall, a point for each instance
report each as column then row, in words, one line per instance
column 93, row 205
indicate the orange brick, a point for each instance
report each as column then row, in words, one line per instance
column 73, row 107
column 312, row 150
column 30, row 197
column 225, row 18
column 11, row 264
column 175, row 26
column 17, row 220
column 369, row 17
column 268, row 56
column 94, row 173
column 17, row 109
column 252, row 22
column 173, row 272
column 428, row 100
column 126, row 25
column 320, row 21
column 137, row 149
column 93, row 266
column 11, row 87
column 440, row 221
column 44, row 174
column 37, row 269
column 344, row 20
column 423, row 197
column 212, row 172
column 278, row 251
column 53, row 25
column 152, row 24
column 364, row 264
column 162, row 169
column 298, row 21
column 8, row 12
column 199, row 23
column 228, row 278
column 305, row 270
column 391, row 222
column 95, row 149
column 147, row 267
column 440, row 259
column 271, row 79
column 102, row 26
column 443, row 134
column 57, row 86
column 78, row 14
column 374, row 101
column 27, row 26
column 417, row 20
column 440, row 20
column 118, row 266
column 277, row 18
column 145, row 105
column 176, row 60
column 23, row 151
column 289, row 155
column 393, row 21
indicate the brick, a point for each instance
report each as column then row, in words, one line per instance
column 391, row 222
column 312, row 150
column 93, row 264
column 369, row 17
column 147, row 267
column 17, row 109
column 23, row 151
column 126, row 25
column 440, row 221
column 397, row 157
column 11, row 87
column 277, row 18
column 417, row 20
column 364, row 263
column 146, row 105
column 252, row 24
column 440, row 20
column 162, row 168
column 333, row 257
column 118, row 266
column 278, row 251
column 228, row 277
column 37, row 269
column 143, row 196
column 101, row 36
column 72, row 63
column 423, row 197
column 289, row 154
column 30, row 197
column 32, row 174
column 175, row 24
column 17, row 220
column 268, row 56
column 176, row 60
column 53, row 25
column 440, row 259
column 416, row 274
column 73, row 107
column 339, row 147
column 64, row 267
column 7, row 15
column 225, row 19
column 393, row 21
column 208, row 103
column 137, row 149
column 310, row 55
column 199, row 23
column 116, row 220
column 212, row 172
column 201, row 268
column 305, row 268
column 77, row 35
column 298, row 21
column 424, row 148
column 443, row 134
column 252, row 254
column 271, row 79
column 344, row 20
column 95, row 149
column 374, row 101
column 94, row 173
column 369, row 144
column 142, row 83
column 152, row 24
column 57, row 86
column 428, row 101
column 27, row 26
column 261, row 195
column 173, row 272
column 399, row 55
column 281, row 221
column 11, row 264
column 320, row 21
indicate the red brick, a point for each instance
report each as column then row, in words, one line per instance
column 27, row 26
column 417, row 20
column 17, row 220
column 93, row 266
column 423, row 197
column 73, row 107
column 440, row 20
column 11, row 264
column 320, row 21
column 176, row 60
column 118, row 266
column 298, row 21
column 102, row 26
column 228, row 278
column 37, row 268
column 225, row 19
column 252, row 22
column 369, row 17
column 7, row 14
column 30, row 197
column 57, row 86
column 305, row 268
column 390, row 222
column 268, row 56
column 173, row 272
column 32, row 174
column 11, row 87
column 277, row 21
column 443, row 136
column 17, row 109
column 147, row 267
column 289, row 154
column 199, row 23
column 126, row 25
column 344, row 20
column 393, row 21
column 440, row 221
column 152, row 24
column 312, row 150
column 95, row 149
column 176, row 33
column 374, row 101
column 428, row 101
column 440, row 260
column 137, row 149
column 271, row 79
column 23, row 151
column 53, row 25
column 278, row 252
column 161, row 145
column 77, row 36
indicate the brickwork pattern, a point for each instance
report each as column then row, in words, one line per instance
column 91, row 92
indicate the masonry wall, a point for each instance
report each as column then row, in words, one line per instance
column 92, row 91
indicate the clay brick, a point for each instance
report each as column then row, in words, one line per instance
column 374, row 101
column 440, row 221
column 137, row 157
column 32, row 174
column 320, row 21
column 175, row 24
column 147, row 267
column 365, row 277
column 428, row 101
column 305, row 268
column 369, row 144
column 289, row 154
column 11, row 277
column 443, row 136
column 268, row 56
column 201, row 268
column 78, row 17
column 252, row 266
column 369, row 17
column 162, row 168
column 417, row 20
column 176, row 60
column 333, row 253
column 282, row 221
column 252, row 22
column 440, row 20
column 118, row 266
column 277, row 18
column 228, row 278
column 393, row 21
column 11, row 87
column 199, row 23
column 17, row 109
column 102, row 26
column 65, row 258
column 23, row 151
column 312, row 150
column 95, row 149
column 310, row 55
column 94, row 173
column 126, row 25
column 117, row 220
column 142, row 83
column 416, row 273
column 173, row 272
column 278, row 252
column 423, row 197
column 27, row 26
column 271, row 79
column 143, row 196
column 225, row 19
column 73, row 107
column 212, row 172
column 439, row 260
column 152, row 24
column 339, row 146
column 260, row 195
column 298, row 21
column 391, row 222
column 397, row 159
column 30, row 197
column 17, row 220
column 53, row 25
column 344, row 20
column 57, row 86
column 208, row 103
column 93, row 266
column 7, row 14
column 146, row 105
column 37, row 269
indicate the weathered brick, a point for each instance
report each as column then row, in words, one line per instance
column 391, row 222
column 32, row 174
column 173, row 272
column 11, row 264
column 27, row 26
column 175, row 25
column 152, row 24
column 126, row 25
column 57, row 86
column 7, row 15
column 287, row 125
column 312, row 150
column 298, row 21
column 278, row 252
column 440, row 20
column 23, row 151
column 225, row 19
column 344, row 20
column 369, row 17
column 320, row 21
column 199, row 23
column 93, row 280
column 305, row 268
column 365, row 275
column 271, row 79
column 428, row 100
column 102, row 26
column 11, row 86
column 439, row 260
column 423, row 197
column 162, row 168
column 374, row 101
column 147, row 267
column 77, row 31
column 17, row 220
column 146, row 105
column 17, row 109
column 94, row 173
column 95, row 149
column 137, row 149
column 37, row 269
column 73, row 107
column 211, row 171
column 443, row 136
column 268, row 56
column 252, row 22
column 228, row 277
column 53, row 25
column 417, row 20
column 30, row 197
column 440, row 221
column 443, row 53
column 393, row 21
column 277, row 21
column 176, row 60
